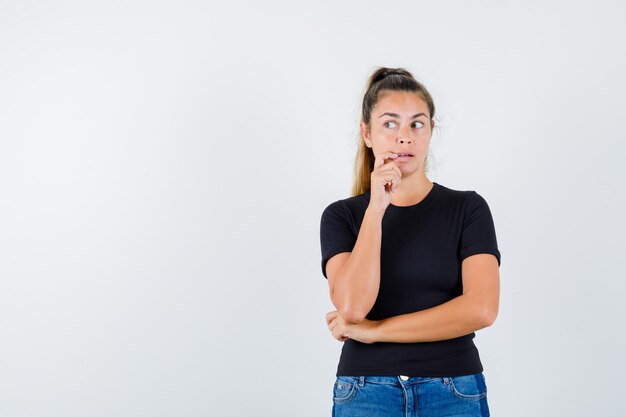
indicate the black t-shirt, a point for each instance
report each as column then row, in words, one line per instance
column 422, row 248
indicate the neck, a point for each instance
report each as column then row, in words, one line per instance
column 412, row 190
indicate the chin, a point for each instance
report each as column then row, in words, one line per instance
column 409, row 170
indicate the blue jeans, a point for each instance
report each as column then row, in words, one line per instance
column 397, row 396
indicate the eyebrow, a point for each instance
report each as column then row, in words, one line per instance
column 397, row 115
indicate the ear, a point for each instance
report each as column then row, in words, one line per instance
column 432, row 124
column 365, row 134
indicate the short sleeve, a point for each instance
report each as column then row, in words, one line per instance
column 336, row 234
column 478, row 233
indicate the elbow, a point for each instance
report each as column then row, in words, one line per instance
column 348, row 310
column 352, row 316
column 488, row 317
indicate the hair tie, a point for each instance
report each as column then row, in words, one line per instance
column 387, row 73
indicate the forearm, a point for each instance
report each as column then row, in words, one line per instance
column 358, row 281
column 460, row 316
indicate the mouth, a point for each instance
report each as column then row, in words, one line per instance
column 403, row 157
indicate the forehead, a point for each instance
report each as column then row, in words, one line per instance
column 399, row 102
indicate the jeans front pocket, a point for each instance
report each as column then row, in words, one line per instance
column 469, row 387
column 344, row 389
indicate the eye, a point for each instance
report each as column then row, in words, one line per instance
column 417, row 124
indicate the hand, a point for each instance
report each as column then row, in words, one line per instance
column 342, row 330
column 384, row 180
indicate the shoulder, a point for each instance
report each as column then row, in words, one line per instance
column 462, row 202
column 458, row 197
column 348, row 206
column 345, row 214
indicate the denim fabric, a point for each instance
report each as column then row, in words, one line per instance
column 396, row 396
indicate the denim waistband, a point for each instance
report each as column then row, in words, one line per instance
column 392, row 380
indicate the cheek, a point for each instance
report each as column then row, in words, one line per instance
column 424, row 133
column 382, row 135
column 382, row 143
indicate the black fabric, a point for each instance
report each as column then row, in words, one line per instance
column 422, row 248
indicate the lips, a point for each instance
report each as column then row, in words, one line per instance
column 403, row 157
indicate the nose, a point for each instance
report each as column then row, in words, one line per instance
column 403, row 136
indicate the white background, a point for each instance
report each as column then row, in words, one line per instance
column 164, row 166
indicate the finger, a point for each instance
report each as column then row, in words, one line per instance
column 330, row 316
column 388, row 185
column 339, row 336
column 398, row 180
column 391, row 169
column 387, row 173
column 390, row 178
column 389, row 158
column 382, row 158
column 395, row 184
column 334, row 324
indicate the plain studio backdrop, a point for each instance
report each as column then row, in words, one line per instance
column 164, row 167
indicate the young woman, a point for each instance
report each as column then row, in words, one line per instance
column 412, row 268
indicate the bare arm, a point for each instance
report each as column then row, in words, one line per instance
column 475, row 309
column 354, row 277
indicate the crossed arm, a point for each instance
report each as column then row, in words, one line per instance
column 475, row 309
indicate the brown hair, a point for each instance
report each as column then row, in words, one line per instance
column 383, row 79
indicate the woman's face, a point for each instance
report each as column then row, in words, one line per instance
column 400, row 123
